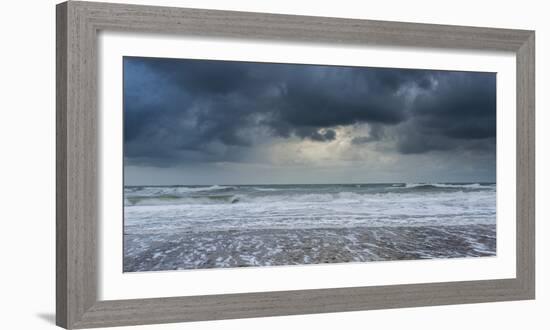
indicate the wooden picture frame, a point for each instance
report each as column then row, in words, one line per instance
column 78, row 24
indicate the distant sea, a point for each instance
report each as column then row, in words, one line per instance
column 189, row 227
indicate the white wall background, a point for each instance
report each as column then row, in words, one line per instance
column 27, row 166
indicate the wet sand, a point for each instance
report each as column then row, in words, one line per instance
column 274, row 247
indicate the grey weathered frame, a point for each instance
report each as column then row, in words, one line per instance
column 77, row 142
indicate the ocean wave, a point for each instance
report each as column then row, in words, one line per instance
column 447, row 186
column 265, row 189
column 175, row 190
column 210, row 188
column 244, row 198
column 182, row 195
column 344, row 197
column 177, row 200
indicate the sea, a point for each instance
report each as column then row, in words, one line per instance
column 217, row 226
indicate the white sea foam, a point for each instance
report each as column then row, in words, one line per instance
column 449, row 185
column 175, row 190
column 265, row 189
column 344, row 209
column 230, row 226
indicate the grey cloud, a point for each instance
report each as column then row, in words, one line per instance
column 209, row 111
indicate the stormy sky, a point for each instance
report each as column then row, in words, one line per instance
column 221, row 122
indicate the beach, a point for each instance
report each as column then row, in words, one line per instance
column 197, row 227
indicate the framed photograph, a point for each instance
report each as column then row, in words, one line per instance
column 216, row 164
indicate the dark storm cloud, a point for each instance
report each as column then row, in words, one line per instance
column 203, row 111
column 459, row 113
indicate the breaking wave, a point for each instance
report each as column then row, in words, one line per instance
column 447, row 186
column 314, row 194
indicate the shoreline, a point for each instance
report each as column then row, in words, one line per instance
column 278, row 247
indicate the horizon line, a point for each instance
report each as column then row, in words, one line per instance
column 308, row 184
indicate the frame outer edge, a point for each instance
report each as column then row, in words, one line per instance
column 61, row 289
column 61, row 197
column 525, row 218
column 77, row 185
column 82, row 165
column 76, row 165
